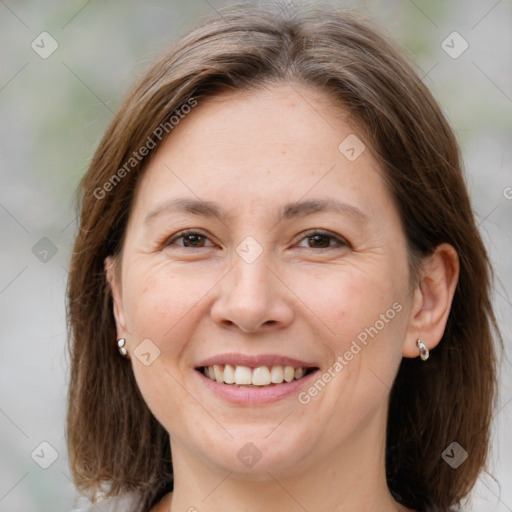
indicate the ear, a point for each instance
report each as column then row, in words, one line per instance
column 114, row 281
column 432, row 299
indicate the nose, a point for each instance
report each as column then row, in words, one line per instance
column 252, row 297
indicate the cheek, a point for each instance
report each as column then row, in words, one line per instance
column 348, row 298
column 161, row 307
column 361, row 321
column 162, row 389
column 360, row 315
column 160, row 301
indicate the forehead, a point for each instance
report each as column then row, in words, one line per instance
column 278, row 143
column 278, row 118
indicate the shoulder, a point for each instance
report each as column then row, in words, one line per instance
column 120, row 503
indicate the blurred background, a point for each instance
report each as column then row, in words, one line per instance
column 65, row 67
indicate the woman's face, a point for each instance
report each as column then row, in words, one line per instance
column 293, row 255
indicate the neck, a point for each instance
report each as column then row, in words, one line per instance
column 350, row 478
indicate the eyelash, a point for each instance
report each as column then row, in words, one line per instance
column 309, row 234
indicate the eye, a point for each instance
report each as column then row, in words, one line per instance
column 323, row 239
column 190, row 239
column 314, row 239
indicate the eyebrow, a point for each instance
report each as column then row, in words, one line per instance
column 288, row 211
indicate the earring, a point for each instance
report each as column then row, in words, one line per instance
column 424, row 352
column 121, row 347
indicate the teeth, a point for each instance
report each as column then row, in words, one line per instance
column 243, row 375
column 229, row 374
column 299, row 373
column 260, row 376
column 218, row 373
column 276, row 375
column 289, row 373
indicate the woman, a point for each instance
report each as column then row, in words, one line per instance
column 278, row 297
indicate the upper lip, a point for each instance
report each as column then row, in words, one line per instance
column 255, row 361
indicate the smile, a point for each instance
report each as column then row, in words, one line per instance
column 260, row 376
column 255, row 379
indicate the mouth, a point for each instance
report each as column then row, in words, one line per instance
column 254, row 377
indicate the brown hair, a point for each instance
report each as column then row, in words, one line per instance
column 113, row 438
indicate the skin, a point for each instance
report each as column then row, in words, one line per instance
column 252, row 152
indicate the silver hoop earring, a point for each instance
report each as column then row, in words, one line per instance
column 424, row 352
column 121, row 347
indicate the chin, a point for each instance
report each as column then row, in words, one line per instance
column 253, row 455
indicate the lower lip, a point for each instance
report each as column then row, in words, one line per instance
column 255, row 395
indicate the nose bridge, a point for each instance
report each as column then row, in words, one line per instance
column 251, row 296
column 252, row 278
column 251, row 273
column 251, row 287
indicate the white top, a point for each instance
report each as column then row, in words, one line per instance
column 121, row 503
